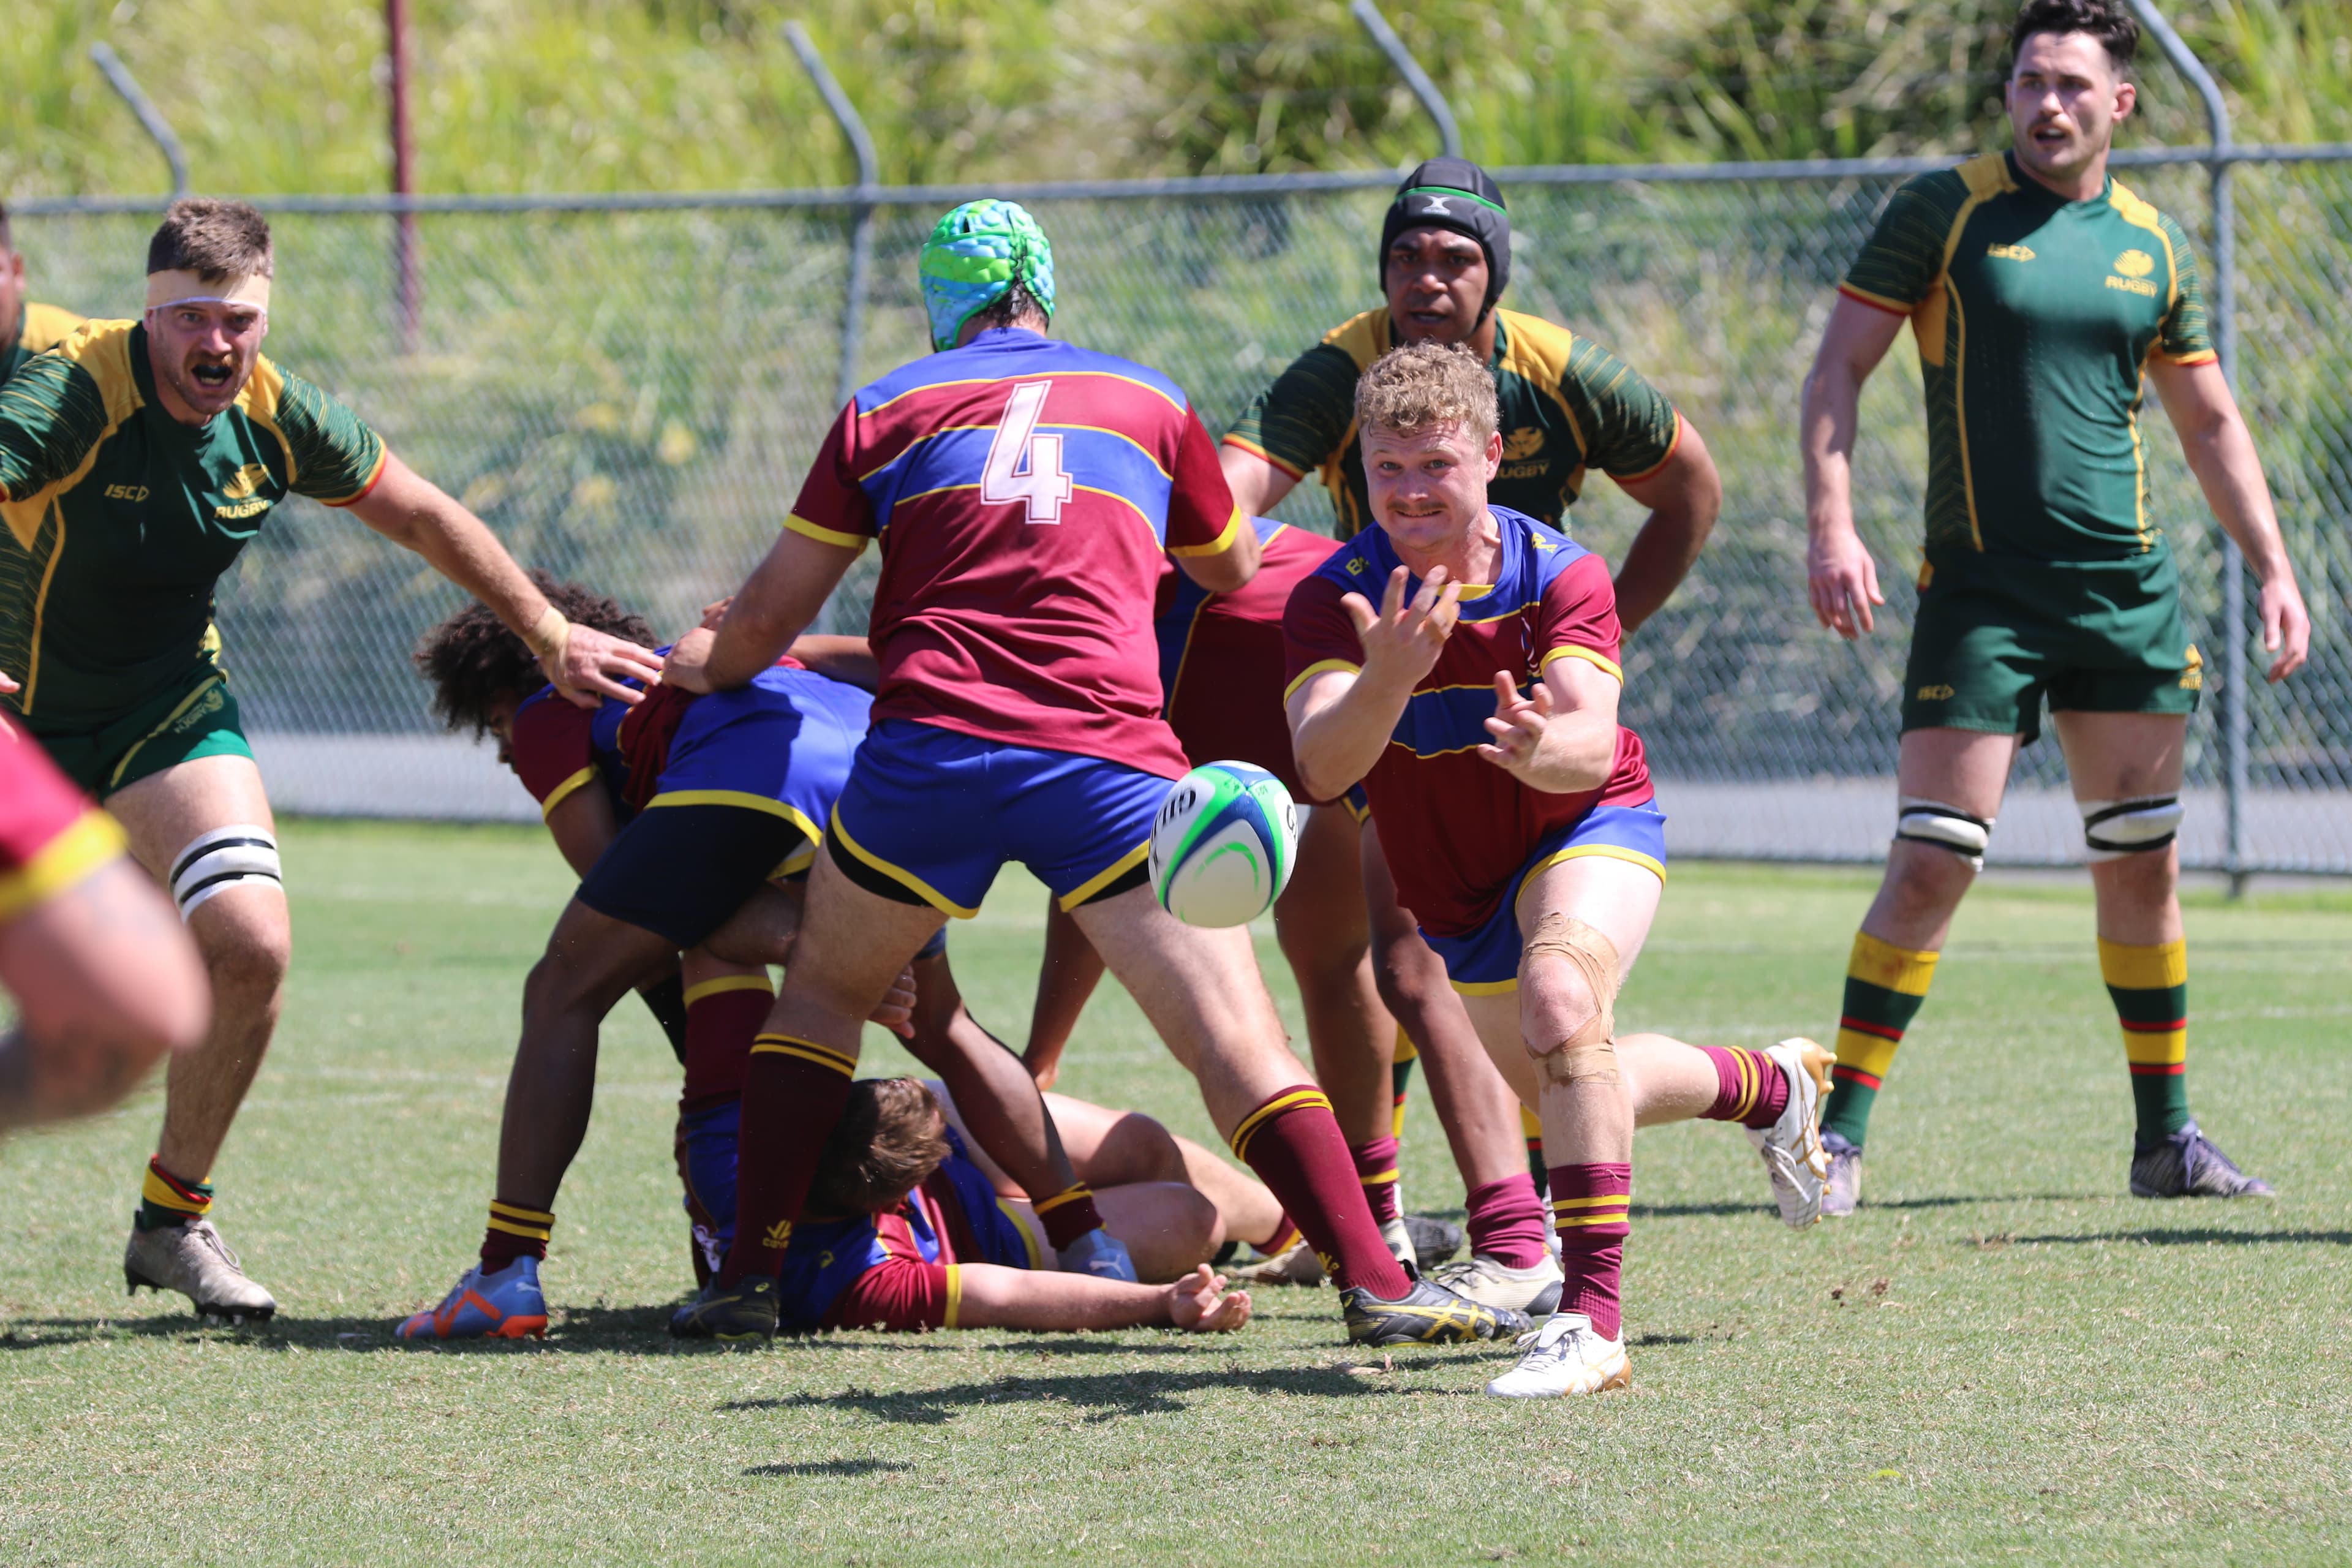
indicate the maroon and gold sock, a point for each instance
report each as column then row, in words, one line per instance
column 1376, row 1173
column 722, row 1017
column 1285, row 1236
column 1750, row 1088
column 1591, row 1205
column 1068, row 1215
column 794, row 1093
column 515, row 1231
column 1293, row 1141
column 1507, row 1222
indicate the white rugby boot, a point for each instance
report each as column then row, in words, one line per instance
column 193, row 1260
column 1534, row 1291
column 1791, row 1147
column 1565, row 1356
column 1294, row 1264
column 1400, row 1245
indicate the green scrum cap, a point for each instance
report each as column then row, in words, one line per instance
column 974, row 256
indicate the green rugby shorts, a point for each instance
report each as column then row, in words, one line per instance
column 192, row 717
column 1996, row 634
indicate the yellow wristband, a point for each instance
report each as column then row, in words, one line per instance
column 549, row 634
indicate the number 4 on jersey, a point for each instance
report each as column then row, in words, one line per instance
column 1023, row 465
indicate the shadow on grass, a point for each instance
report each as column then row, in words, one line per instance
column 832, row 1467
column 1718, row 1210
column 1104, row 1396
column 2196, row 1239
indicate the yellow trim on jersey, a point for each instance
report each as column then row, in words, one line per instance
column 88, row 842
column 1893, row 306
column 1255, row 450
column 1027, row 1225
column 1048, row 426
column 46, row 326
column 1047, row 375
column 382, row 456
column 565, row 791
column 795, row 523
column 1320, row 666
column 1538, row 351
column 955, row 1296
column 1109, row 874
column 1600, row 662
column 726, row 982
column 1672, row 446
column 744, row 800
column 1217, row 546
column 912, row 883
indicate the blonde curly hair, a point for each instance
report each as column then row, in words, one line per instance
column 1411, row 388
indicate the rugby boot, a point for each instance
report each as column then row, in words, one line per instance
column 734, row 1314
column 1399, row 1240
column 1433, row 1240
column 1793, row 1153
column 1428, row 1314
column 1842, row 1195
column 1100, row 1254
column 1534, row 1291
column 705, row 1147
column 503, row 1305
column 2187, row 1166
column 193, row 1260
column 1565, row 1356
column 1294, row 1264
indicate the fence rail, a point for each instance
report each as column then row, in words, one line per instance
column 628, row 388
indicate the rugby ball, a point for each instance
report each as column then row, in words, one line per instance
column 1222, row 845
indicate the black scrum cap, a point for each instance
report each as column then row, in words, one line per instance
column 1455, row 194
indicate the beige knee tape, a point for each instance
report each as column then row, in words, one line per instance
column 1585, row 1056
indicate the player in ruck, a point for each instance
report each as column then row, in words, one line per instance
column 1568, row 407
column 136, row 459
column 1023, row 492
column 2046, row 297
column 1477, row 704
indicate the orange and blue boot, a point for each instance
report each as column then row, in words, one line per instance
column 504, row 1305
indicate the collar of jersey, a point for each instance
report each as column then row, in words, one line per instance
column 1499, row 598
column 2027, row 185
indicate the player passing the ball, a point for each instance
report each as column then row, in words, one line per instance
column 2046, row 298
column 1024, row 493
column 1461, row 659
column 137, row 457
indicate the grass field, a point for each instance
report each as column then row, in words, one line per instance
column 2002, row 1357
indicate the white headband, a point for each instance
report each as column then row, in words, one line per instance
column 179, row 287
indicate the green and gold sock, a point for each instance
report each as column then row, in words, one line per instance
column 2151, row 987
column 1883, row 987
column 1399, row 1080
column 166, row 1199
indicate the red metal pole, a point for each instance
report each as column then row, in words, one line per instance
column 407, row 283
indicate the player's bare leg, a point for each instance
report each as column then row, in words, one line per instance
column 1950, row 781
column 2127, row 770
column 242, row 932
column 1067, row 978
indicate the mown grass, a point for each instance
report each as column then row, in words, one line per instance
column 2002, row 1357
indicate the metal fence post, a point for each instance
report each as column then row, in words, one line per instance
column 118, row 77
column 2222, row 307
column 1449, row 135
column 869, row 176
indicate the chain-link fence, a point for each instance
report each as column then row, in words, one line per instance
column 628, row 392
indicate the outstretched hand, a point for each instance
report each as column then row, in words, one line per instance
column 1197, row 1304
column 590, row 665
column 1401, row 640
column 1517, row 726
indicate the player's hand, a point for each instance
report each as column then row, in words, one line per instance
column 896, row 1011
column 1517, row 726
column 2286, row 625
column 687, row 665
column 1843, row 583
column 1401, row 640
column 715, row 612
column 592, row 665
column 1199, row 1304
column 7, row 685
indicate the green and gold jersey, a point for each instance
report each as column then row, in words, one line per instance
column 120, row 519
column 39, row 327
column 2036, row 318
column 1569, row 405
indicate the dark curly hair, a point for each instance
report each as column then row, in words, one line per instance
column 2109, row 21
column 474, row 664
column 891, row 1136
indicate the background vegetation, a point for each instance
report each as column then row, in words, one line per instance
column 274, row 96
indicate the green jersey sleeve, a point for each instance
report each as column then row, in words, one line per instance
column 1298, row 423
column 336, row 456
column 1630, row 426
column 51, row 414
column 1905, row 254
column 2188, row 336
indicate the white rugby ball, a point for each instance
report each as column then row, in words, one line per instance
column 1222, row 845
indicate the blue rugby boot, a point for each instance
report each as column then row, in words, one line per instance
column 1100, row 1254
column 505, row 1305
column 705, row 1146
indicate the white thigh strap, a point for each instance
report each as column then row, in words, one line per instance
column 2113, row 828
column 222, row 859
column 1945, row 827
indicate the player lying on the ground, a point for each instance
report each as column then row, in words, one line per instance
column 137, row 457
column 1024, row 493
column 904, row 1228
column 1477, row 704
column 2047, row 299
column 105, row 980
column 689, row 820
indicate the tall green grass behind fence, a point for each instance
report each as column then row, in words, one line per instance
column 631, row 398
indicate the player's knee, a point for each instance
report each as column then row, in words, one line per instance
column 246, row 950
column 1568, row 976
column 2139, row 829
column 1957, row 838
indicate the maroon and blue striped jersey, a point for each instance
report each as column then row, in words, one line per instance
column 1026, row 493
